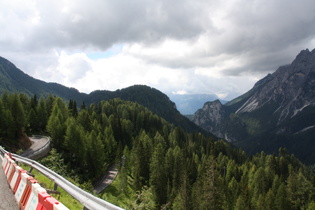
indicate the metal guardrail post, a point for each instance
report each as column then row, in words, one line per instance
column 55, row 187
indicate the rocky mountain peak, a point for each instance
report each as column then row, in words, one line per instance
column 277, row 112
column 304, row 56
column 213, row 104
column 210, row 116
column 288, row 88
column 283, row 94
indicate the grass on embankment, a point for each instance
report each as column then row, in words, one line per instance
column 46, row 183
column 119, row 193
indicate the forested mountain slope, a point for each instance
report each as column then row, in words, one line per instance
column 13, row 79
column 153, row 99
column 160, row 165
column 279, row 111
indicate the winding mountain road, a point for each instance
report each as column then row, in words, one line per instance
column 40, row 146
column 38, row 143
column 107, row 179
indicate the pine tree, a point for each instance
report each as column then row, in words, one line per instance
column 10, row 129
column 72, row 107
column 243, row 200
column 83, row 106
column 270, row 199
column 230, row 170
column 123, row 180
column 141, row 156
column 2, row 120
column 34, row 102
column 110, row 144
column 5, row 100
column 56, row 125
column 260, row 202
column 18, row 115
column 183, row 198
column 95, row 155
column 144, row 199
column 42, row 115
column 311, row 206
column 208, row 192
column 281, row 201
column 33, row 120
column 169, row 168
column 158, row 176
column 85, row 120
column 233, row 192
column 258, row 185
column 50, row 100
column 241, row 203
column 75, row 142
column 299, row 189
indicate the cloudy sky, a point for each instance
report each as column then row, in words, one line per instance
column 177, row 46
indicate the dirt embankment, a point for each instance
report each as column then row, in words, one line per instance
column 24, row 142
column 14, row 146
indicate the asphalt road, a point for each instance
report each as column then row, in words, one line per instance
column 7, row 200
column 107, row 179
column 37, row 143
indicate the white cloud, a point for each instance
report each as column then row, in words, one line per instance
column 121, row 70
column 73, row 67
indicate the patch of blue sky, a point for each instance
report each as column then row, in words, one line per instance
column 114, row 50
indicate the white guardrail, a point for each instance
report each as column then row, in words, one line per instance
column 88, row 200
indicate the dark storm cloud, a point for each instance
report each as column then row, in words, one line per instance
column 262, row 35
column 271, row 33
column 100, row 24
column 252, row 30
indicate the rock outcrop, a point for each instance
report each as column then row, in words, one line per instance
column 210, row 117
column 291, row 87
column 279, row 109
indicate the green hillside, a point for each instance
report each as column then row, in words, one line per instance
column 13, row 80
column 160, row 165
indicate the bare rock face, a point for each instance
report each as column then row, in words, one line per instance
column 210, row 117
column 269, row 105
column 291, row 88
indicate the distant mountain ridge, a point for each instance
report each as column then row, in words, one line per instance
column 188, row 104
column 153, row 99
column 13, row 79
column 291, row 86
column 278, row 111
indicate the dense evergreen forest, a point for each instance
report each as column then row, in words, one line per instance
column 161, row 166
